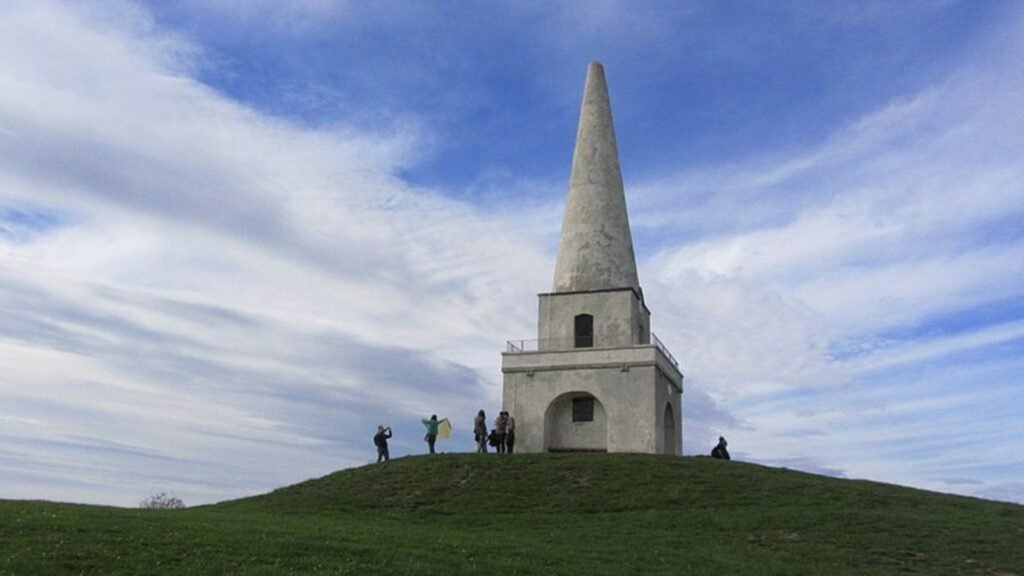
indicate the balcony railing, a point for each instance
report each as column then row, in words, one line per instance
column 599, row 341
column 664, row 349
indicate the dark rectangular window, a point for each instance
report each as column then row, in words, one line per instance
column 584, row 331
column 582, row 409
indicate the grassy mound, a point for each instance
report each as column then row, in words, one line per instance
column 533, row 514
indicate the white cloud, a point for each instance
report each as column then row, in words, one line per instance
column 225, row 287
column 809, row 294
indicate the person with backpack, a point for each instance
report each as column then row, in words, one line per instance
column 380, row 440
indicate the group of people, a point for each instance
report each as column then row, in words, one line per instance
column 502, row 437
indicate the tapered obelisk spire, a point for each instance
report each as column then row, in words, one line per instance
column 596, row 250
column 597, row 379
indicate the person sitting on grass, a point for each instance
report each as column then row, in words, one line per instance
column 719, row 451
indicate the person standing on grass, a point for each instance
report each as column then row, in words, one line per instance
column 431, row 426
column 480, row 432
column 510, row 433
column 380, row 439
column 500, row 424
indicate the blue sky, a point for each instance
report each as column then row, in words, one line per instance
column 236, row 236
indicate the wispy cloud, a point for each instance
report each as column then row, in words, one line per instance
column 821, row 297
column 225, row 286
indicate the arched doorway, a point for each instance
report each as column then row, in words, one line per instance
column 671, row 437
column 575, row 422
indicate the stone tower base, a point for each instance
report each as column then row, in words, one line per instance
column 626, row 399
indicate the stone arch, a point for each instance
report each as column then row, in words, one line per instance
column 563, row 433
column 671, row 435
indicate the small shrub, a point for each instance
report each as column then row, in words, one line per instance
column 161, row 501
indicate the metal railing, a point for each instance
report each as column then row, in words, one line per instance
column 664, row 349
column 560, row 344
column 598, row 341
column 518, row 346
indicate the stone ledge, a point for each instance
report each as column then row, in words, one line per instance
column 593, row 359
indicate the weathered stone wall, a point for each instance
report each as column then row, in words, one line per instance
column 668, row 394
column 620, row 318
column 633, row 385
column 561, row 433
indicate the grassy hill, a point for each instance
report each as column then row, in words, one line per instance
column 533, row 514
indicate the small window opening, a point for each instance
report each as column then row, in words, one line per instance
column 584, row 331
column 582, row 409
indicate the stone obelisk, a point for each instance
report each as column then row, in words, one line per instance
column 596, row 250
column 596, row 379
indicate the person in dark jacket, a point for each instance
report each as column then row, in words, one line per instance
column 500, row 427
column 720, row 451
column 510, row 433
column 380, row 439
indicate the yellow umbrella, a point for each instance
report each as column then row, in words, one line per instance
column 444, row 429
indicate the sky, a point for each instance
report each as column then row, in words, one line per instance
column 237, row 236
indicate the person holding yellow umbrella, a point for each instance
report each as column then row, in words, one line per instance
column 435, row 428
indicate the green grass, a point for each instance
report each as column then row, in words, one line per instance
column 533, row 514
